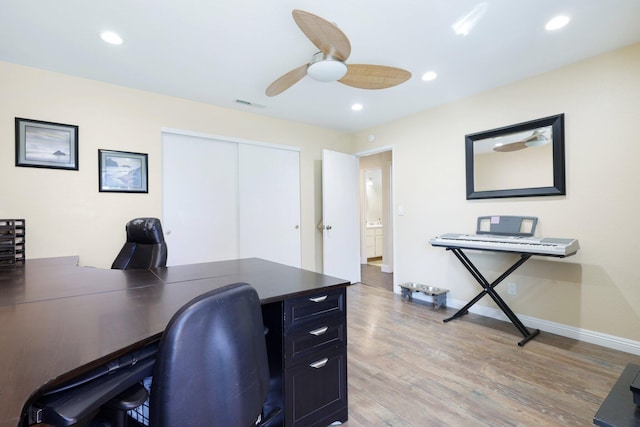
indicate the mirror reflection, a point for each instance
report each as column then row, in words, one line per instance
column 516, row 160
column 526, row 159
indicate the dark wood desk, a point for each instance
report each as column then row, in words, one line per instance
column 618, row 409
column 58, row 320
column 53, row 278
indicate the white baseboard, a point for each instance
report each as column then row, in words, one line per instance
column 598, row 338
column 605, row 340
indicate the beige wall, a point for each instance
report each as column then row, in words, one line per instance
column 596, row 290
column 66, row 215
column 599, row 288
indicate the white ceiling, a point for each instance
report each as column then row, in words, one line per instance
column 216, row 51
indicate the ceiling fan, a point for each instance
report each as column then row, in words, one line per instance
column 329, row 63
column 536, row 139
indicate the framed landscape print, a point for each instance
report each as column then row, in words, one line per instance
column 122, row 172
column 46, row 144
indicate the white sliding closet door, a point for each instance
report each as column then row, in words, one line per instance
column 199, row 198
column 269, row 204
column 224, row 199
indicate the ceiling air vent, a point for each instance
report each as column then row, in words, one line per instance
column 248, row 103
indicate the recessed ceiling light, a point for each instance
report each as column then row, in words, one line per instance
column 111, row 37
column 357, row 107
column 557, row 22
column 429, row 75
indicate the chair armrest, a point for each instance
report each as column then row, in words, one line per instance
column 70, row 406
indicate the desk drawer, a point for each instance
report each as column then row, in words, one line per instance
column 301, row 310
column 318, row 391
column 315, row 337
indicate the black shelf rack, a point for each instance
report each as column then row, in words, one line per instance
column 12, row 242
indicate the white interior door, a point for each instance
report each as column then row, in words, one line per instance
column 199, row 198
column 340, row 216
column 269, row 204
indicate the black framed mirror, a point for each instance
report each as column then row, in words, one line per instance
column 525, row 159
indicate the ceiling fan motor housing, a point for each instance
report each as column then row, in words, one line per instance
column 326, row 68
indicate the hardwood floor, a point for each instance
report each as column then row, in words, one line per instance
column 408, row 368
column 373, row 276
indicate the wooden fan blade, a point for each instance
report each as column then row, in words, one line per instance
column 514, row 146
column 285, row 81
column 323, row 34
column 365, row 76
column 533, row 136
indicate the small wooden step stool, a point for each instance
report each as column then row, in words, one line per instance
column 439, row 295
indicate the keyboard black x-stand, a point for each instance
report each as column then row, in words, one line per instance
column 525, row 245
column 488, row 289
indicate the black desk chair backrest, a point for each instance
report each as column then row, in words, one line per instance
column 145, row 246
column 212, row 368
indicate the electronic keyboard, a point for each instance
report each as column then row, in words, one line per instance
column 531, row 245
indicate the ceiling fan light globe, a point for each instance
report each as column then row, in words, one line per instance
column 327, row 70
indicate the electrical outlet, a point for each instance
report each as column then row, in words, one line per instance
column 512, row 288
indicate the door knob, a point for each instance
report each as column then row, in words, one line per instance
column 328, row 227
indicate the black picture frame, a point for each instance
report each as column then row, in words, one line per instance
column 122, row 172
column 555, row 125
column 41, row 144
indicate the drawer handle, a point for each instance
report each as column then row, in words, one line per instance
column 319, row 331
column 319, row 364
column 318, row 299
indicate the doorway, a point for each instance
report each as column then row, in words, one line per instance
column 343, row 222
column 376, row 219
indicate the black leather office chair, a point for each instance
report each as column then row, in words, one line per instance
column 211, row 369
column 145, row 246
